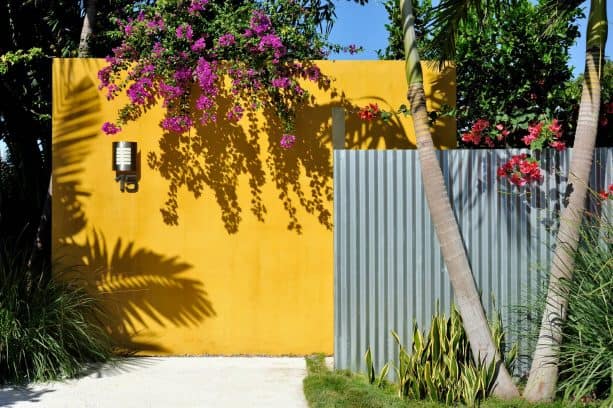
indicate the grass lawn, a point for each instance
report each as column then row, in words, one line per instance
column 324, row 388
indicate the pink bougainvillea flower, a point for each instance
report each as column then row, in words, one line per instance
column 198, row 45
column 197, row 5
column 313, row 73
column 287, row 141
column 235, row 114
column 204, row 103
column 603, row 195
column 112, row 90
column 207, row 77
column 170, row 92
column 281, row 82
column 110, row 128
column 184, row 31
column 178, row 124
column 141, row 91
column 226, row 40
column 104, row 76
column 260, row 23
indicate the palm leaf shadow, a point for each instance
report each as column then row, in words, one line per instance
column 76, row 116
column 138, row 286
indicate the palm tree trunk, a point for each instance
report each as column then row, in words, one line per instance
column 87, row 28
column 543, row 377
column 445, row 223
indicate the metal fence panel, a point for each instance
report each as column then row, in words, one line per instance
column 388, row 266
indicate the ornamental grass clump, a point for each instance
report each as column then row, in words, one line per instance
column 48, row 327
column 586, row 352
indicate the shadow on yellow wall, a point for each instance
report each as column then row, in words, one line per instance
column 198, row 276
column 133, row 281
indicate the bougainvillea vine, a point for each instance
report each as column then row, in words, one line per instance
column 184, row 62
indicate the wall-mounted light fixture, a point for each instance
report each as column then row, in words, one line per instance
column 125, row 166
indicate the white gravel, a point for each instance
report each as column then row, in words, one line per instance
column 173, row 382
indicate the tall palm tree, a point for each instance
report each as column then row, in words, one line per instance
column 445, row 223
column 543, row 377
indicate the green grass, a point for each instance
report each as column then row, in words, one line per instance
column 324, row 388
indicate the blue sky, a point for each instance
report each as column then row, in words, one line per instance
column 365, row 26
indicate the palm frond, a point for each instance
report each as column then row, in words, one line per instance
column 450, row 14
column 559, row 12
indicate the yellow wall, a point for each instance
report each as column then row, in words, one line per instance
column 226, row 271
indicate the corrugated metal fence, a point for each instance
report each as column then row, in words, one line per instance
column 388, row 266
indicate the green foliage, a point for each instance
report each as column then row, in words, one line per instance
column 370, row 370
column 20, row 56
column 507, row 71
column 440, row 366
column 31, row 33
column 424, row 12
column 48, row 328
column 586, row 353
column 324, row 388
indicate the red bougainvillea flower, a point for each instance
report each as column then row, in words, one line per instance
column 503, row 132
column 369, row 112
column 481, row 134
column 520, row 170
column 534, row 132
column 558, row 145
column 606, row 194
column 556, row 128
column 480, row 125
column 288, row 141
column 472, row 137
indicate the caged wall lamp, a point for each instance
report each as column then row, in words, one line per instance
column 125, row 166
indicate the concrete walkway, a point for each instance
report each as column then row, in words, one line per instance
column 174, row 382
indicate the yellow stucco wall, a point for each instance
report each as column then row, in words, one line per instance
column 226, row 271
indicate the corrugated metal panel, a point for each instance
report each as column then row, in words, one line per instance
column 388, row 266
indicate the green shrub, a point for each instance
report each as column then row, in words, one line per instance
column 586, row 353
column 48, row 327
column 440, row 366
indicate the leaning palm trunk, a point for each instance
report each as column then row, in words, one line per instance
column 543, row 377
column 446, row 226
